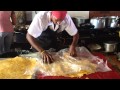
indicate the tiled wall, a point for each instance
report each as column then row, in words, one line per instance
column 103, row 13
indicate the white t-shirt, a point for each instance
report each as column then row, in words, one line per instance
column 42, row 20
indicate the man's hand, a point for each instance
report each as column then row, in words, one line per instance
column 47, row 58
column 72, row 51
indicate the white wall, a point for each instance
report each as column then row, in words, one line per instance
column 84, row 14
column 30, row 14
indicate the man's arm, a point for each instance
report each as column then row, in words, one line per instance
column 73, row 45
column 47, row 58
column 34, row 43
column 75, row 40
column 72, row 30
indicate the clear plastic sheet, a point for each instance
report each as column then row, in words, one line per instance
column 65, row 65
column 83, row 52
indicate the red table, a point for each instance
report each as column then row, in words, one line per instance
column 98, row 75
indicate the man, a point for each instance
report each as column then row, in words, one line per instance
column 42, row 32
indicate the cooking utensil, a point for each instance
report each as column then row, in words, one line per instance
column 94, row 47
column 98, row 22
column 112, row 21
column 110, row 46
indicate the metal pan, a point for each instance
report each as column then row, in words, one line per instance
column 94, row 47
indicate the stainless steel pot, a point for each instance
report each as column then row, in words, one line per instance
column 98, row 22
column 110, row 46
column 112, row 21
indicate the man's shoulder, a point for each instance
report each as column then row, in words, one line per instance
column 67, row 16
column 67, row 19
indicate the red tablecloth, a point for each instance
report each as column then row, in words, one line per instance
column 98, row 75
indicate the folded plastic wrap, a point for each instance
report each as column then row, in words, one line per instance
column 68, row 66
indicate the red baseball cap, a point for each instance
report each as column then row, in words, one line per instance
column 59, row 14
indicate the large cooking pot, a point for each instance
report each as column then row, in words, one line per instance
column 78, row 20
column 112, row 21
column 98, row 22
column 110, row 46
